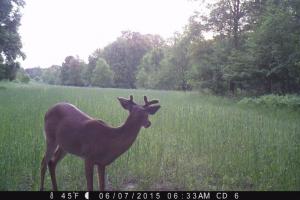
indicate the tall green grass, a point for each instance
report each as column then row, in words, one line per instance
column 196, row 142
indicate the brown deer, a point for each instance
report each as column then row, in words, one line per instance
column 69, row 130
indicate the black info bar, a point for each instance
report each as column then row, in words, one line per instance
column 153, row 195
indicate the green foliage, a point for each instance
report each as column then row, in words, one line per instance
column 177, row 58
column 102, row 75
column 166, row 78
column 209, row 62
column 143, row 79
column 274, row 49
column 89, row 68
column 51, row 75
column 256, row 51
column 10, row 42
column 125, row 54
column 71, row 71
column 149, row 69
column 34, row 72
column 225, row 19
column 273, row 101
column 22, row 76
column 167, row 67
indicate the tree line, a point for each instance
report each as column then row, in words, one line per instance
column 255, row 49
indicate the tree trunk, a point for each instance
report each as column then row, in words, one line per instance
column 268, row 86
column 232, row 87
column 236, row 18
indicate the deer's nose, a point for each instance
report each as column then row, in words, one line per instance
column 147, row 124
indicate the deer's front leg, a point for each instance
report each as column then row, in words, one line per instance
column 89, row 171
column 101, row 177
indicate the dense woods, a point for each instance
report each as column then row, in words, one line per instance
column 255, row 49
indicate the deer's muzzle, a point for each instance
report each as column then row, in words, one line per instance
column 147, row 124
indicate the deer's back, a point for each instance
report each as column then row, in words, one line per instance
column 75, row 131
column 63, row 118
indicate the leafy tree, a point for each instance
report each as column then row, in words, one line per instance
column 125, row 54
column 34, row 72
column 227, row 18
column 255, row 47
column 179, row 60
column 52, row 75
column 144, row 79
column 209, row 59
column 71, row 71
column 22, row 76
column 275, row 47
column 166, row 76
column 10, row 42
column 102, row 74
column 169, row 66
column 149, row 68
column 88, row 71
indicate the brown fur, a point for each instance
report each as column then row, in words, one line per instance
column 69, row 130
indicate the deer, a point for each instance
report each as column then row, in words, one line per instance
column 69, row 130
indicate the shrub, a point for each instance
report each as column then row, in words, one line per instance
column 22, row 76
column 279, row 101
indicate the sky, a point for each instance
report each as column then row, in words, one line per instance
column 53, row 29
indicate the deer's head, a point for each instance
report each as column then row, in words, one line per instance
column 140, row 112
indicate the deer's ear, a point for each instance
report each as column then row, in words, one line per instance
column 153, row 109
column 126, row 104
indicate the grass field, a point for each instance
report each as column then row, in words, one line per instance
column 196, row 142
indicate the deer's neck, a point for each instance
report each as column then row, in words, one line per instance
column 129, row 130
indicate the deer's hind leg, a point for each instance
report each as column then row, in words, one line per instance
column 58, row 155
column 50, row 149
column 101, row 177
column 89, row 171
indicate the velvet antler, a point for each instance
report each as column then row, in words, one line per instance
column 148, row 103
